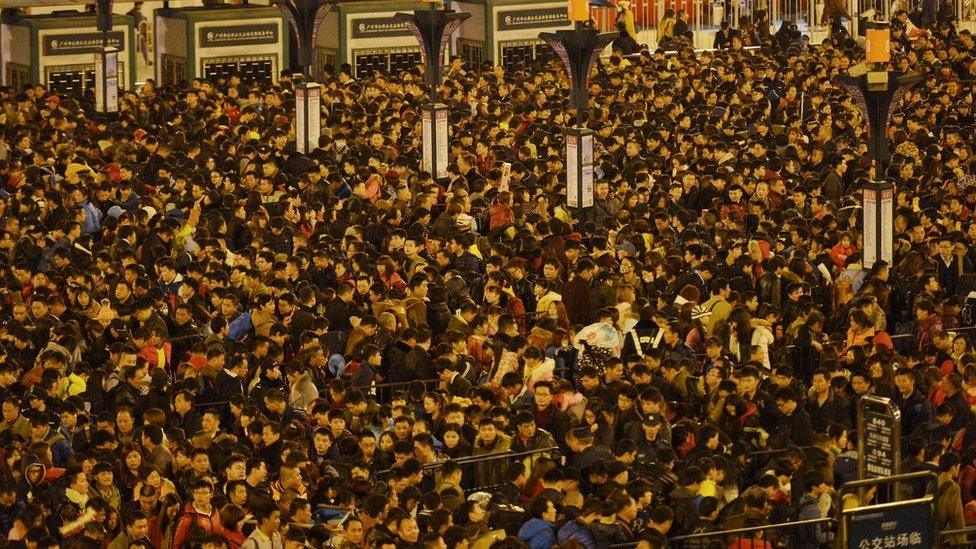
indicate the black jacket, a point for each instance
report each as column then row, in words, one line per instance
column 418, row 365
column 916, row 411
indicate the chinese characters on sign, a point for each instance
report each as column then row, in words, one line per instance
column 532, row 19
column 240, row 35
column 911, row 539
column 376, row 27
column 904, row 525
column 72, row 44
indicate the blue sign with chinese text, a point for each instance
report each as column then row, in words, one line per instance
column 907, row 525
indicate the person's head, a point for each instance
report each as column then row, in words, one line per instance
column 814, row 484
column 201, row 493
column 541, row 508
column 136, row 524
column 352, row 530
column 268, row 517
column 543, row 394
column 905, row 381
column 408, row 530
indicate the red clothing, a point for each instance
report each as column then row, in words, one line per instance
column 926, row 328
column 234, row 539
column 210, row 523
column 486, row 163
column 747, row 543
column 151, row 354
column 884, row 340
column 500, row 216
column 394, row 282
column 481, row 352
column 948, row 366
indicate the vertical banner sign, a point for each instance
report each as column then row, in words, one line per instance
column 579, row 168
column 308, row 116
column 887, row 224
column 99, row 81
column 107, row 80
column 586, row 160
column 314, row 115
column 870, row 226
column 441, row 142
column 879, row 437
column 112, row 80
column 428, row 130
column 300, row 116
column 572, row 171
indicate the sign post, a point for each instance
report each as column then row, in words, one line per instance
column 435, row 136
column 875, row 89
column 878, row 203
column 106, row 63
column 579, row 167
column 878, row 439
column 308, row 116
column 107, row 80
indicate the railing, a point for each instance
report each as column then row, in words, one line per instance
column 968, row 534
column 728, row 536
column 384, row 392
column 468, row 464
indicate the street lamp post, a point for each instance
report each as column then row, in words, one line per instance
column 578, row 49
column 433, row 28
column 305, row 17
column 875, row 89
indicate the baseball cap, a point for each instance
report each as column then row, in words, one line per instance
column 652, row 419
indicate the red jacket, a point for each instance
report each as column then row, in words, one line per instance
column 210, row 523
column 839, row 254
column 500, row 216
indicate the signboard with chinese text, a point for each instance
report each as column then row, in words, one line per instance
column 902, row 525
column 509, row 20
column 378, row 27
column 73, row 44
column 238, row 35
column 879, row 437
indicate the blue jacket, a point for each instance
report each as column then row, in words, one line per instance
column 93, row 218
column 541, row 534
column 240, row 327
column 578, row 531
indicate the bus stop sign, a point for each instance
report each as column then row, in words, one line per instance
column 908, row 524
column 879, row 437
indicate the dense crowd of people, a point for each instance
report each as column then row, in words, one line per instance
column 212, row 341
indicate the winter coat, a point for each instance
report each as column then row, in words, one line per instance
column 492, row 472
column 191, row 516
column 576, row 530
column 539, row 533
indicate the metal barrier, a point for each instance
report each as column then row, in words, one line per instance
column 729, row 536
column 468, row 463
column 383, row 392
column 969, row 533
